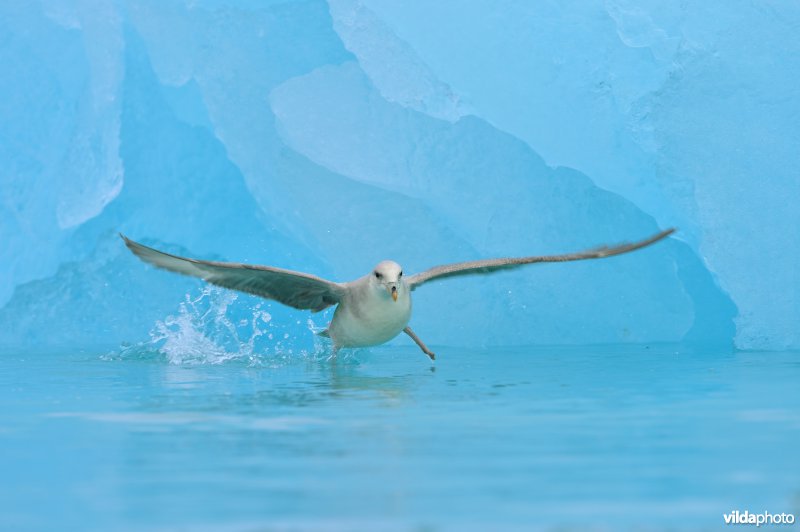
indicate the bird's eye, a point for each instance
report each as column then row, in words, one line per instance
column 401, row 274
column 377, row 275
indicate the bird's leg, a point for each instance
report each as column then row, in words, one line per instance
column 421, row 345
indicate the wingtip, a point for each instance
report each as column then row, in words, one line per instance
column 662, row 235
column 126, row 240
column 130, row 244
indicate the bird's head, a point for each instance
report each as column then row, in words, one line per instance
column 388, row 275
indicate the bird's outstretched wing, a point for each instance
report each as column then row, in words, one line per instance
column 296, row 289
column 493, row 265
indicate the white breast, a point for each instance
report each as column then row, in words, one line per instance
column 369, row 318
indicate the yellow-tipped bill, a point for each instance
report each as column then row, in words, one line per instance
column 394, row 293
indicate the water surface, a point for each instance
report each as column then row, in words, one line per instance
column 526, row 438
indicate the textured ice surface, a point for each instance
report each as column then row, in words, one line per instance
column 690, row 111
column 328, row 136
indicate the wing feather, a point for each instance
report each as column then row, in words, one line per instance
column 493, row 265
column 295, row 289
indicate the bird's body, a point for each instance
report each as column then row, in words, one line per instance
column 372, row 309
column 367, row 315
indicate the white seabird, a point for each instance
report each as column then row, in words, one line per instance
column 373, row 309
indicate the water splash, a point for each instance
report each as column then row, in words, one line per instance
column 216, row 326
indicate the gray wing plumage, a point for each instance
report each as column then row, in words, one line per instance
column 493, row 265
column 296, row 289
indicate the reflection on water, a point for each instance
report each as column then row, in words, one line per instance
column 607, row 437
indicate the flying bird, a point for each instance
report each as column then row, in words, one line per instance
column 371, row 310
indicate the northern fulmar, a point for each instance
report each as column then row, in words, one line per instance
column 373, row 309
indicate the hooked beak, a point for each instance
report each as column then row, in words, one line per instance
column 394, row 292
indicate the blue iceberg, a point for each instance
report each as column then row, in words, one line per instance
column 326, row 137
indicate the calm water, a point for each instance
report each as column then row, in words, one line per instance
column 526, row 438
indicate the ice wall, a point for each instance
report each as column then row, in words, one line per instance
column 689, row 110
column 328, row 136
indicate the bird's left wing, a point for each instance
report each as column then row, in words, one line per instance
column 493, row 265
column 296, row 289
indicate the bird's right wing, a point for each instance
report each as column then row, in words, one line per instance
column 296, row 289
column 492, row 265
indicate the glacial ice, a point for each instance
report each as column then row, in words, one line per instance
column 328, row 136
column 688, row 110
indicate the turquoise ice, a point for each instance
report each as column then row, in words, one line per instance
column 253, row 132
